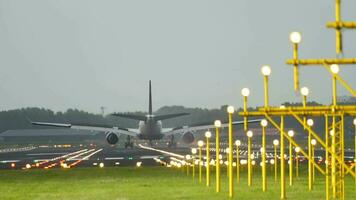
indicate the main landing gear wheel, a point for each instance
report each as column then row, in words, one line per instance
column 172, row 144
column 128, row 142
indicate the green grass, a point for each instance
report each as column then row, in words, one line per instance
column 143, row 183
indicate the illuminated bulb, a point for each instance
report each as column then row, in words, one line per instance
column 313, row 142
column 194, row 151
column 217, row 123
column 332, row 132
column 249, row 134
column 355, row 121
column 237, row 142
column 227, row 150
column 304, row 91
column 208, row 134
column 290, row 133
column 253, row 162
column 295, row 37
column 264, row 123
column 272, row 162
column 275, row 142
column 200, row 143
column 310, row 122
column 138, row 164
column 28, row 166
column 334, row 68
column 230, row 109
column 266, row 70
column 245, row 92
column 101, row 165
column 297, row 149
column 188, row 157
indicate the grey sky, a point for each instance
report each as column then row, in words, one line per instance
column 198, row 53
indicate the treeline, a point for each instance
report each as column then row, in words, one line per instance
column 19, row 118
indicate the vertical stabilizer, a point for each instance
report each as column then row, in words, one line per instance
column 150, row 100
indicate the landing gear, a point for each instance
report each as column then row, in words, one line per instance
column 171, row 143
column 128, row 142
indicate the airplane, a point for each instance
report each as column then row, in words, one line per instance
column 149, row 127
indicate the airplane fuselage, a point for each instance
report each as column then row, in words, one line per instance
column 150, row 129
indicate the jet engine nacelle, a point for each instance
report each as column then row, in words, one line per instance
column 188, row 137
column 112, row 138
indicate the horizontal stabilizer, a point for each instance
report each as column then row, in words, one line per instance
column 129, row 116
column 169, row 116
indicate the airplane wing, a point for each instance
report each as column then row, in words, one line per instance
column 203, row 126
column 91, row 127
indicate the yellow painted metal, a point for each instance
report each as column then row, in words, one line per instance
column 217, row 158
column 355, row 156
column 322, row 61
column 200, row 165
column 296, row 67
column 237, row 164
column 275, row 164
column 245, row 110
column 338, row 29
column 231, row 180
column 193, row 168
column 310, row 184
column 293, row 142
column 348, row 110
column 207, row 161
column 334, row 90
column 290, row 164
column 297, row 164
column 342, row 81
column 327, row 161
column 265, row 80
column 282, row 168
column 349, row 25
column 313, row 167
column 264, row 175
column 249, row 165
column 328, row 149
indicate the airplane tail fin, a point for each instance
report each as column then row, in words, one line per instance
column 150, row 100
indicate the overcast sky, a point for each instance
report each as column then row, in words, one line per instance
column 198, row 53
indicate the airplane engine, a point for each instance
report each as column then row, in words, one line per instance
column 188, row 137
column 112, row 138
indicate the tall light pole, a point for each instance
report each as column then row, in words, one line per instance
column 230, row 110
column 200, row 145
column 266, row 72
column 275, row 145
column 334, row 68
column 238, row 144
column 194, row 152
column 217, row 125
column 187, row 158
column 313, row 143
column 282, row 160
column 310, row 123
column 245, row 92
column 297, row 150
column 264, row 124
column 355, row 150
column 290, row 134
column 295, row 38
column 305, row 92
column 208, row 136
column 249, row 154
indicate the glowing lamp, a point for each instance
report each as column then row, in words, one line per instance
column 217, row 123
column 295, row 37
column 245, row 92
